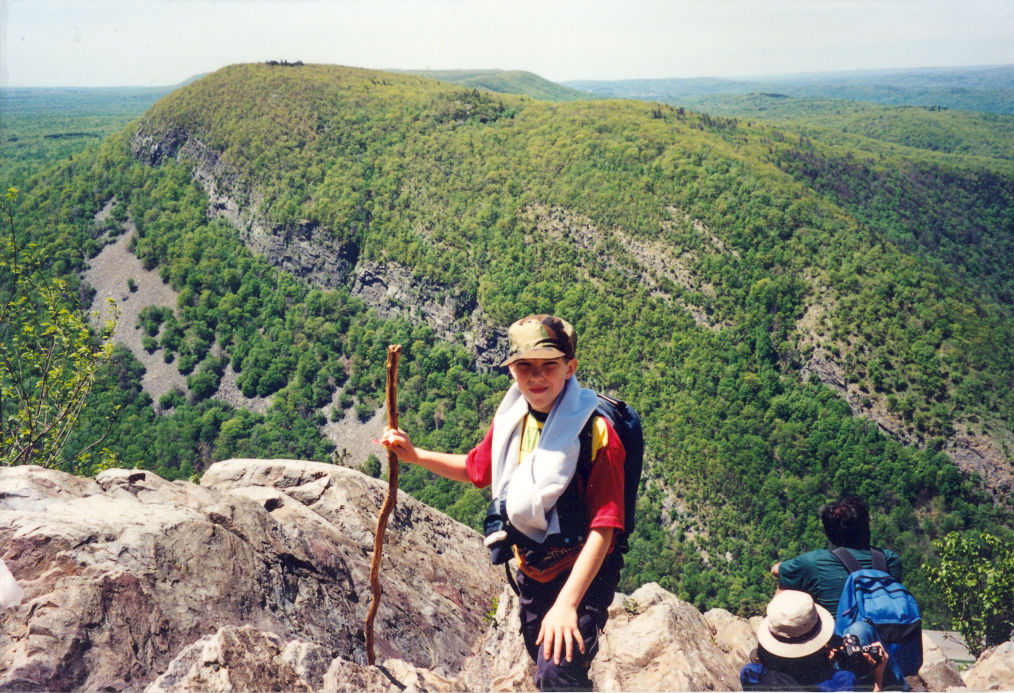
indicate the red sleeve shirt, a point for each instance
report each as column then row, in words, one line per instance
column 479, row 462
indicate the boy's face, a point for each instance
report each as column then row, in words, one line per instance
column 542, row 380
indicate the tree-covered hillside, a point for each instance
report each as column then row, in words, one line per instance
column 506, row 82
column 789, row 315
column 987, row 135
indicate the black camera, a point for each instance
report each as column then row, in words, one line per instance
column 498, row 532
column 501, row 535
column 850, row 654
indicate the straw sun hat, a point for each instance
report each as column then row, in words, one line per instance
column 794, row 625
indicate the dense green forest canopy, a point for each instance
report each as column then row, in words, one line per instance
column 48, row 124
column 721, row 273
column 987, row 135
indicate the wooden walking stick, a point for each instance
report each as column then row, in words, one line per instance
column 393, row 354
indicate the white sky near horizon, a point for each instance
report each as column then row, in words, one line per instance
column 91, row 43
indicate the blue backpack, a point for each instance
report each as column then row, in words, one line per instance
column 875, row 597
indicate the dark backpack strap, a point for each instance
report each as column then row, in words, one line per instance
column 584, row 455
column 847, row 559
column 852, row 565
column 510, row 578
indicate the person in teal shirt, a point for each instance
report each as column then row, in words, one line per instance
column 819, row 573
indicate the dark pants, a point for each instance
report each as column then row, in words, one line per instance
column 537, row 598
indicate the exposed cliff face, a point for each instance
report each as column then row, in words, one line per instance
column 393, row 292
column 258, row 580
column 313, row 253
column 303, row 249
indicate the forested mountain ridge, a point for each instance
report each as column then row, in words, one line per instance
column 506, row 82
column 717, row 271
column 987, row 89
column 987, row 135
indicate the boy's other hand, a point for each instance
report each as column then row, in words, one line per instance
column 398, row 442
column 559, row 632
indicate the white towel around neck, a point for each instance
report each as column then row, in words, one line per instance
column 542, row 476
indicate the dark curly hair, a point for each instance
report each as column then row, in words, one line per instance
column 847, row 522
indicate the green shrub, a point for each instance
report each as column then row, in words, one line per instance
column 371, row 466
column 975, row 576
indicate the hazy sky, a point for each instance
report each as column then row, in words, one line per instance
column 164, row 42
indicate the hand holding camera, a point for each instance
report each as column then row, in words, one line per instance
column 862, row 659
column 852, row 655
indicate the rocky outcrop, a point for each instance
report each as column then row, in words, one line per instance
column 655, row 642
column 974, row 454
column 243, row 658
column 994, row 670
column 655, row 264
column 124, row 572
column 257, row 579
column 652, row 642
column 454, row 317
column 984, row 456
column 315, row 255
column 303, row 249
column 153, row 148
column 937, row 673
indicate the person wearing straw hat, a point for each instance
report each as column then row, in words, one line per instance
column 797, row 650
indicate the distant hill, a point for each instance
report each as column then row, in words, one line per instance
column 934, row 129
column 796, row 312
column 506, row 82
column 987, row 89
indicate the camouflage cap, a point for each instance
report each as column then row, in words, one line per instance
column 541, row 337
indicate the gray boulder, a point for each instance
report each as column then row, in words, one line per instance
column 123, row 572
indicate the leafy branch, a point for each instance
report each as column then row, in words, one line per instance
column 975, row 574
column 48, row 358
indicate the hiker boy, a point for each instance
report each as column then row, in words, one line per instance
column 820, row 573
column 530, row 455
